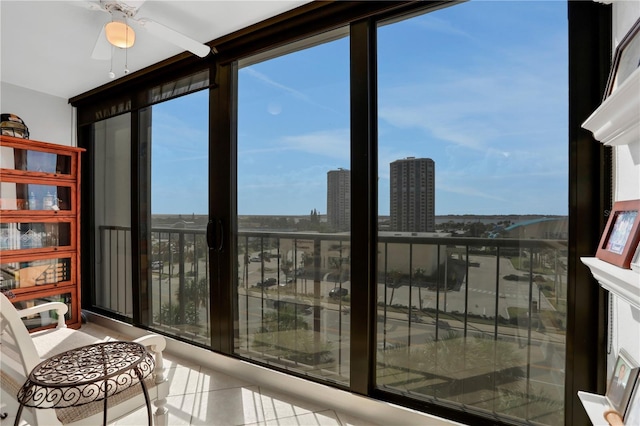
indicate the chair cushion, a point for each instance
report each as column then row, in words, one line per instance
column 53, row 342
column 74, row 414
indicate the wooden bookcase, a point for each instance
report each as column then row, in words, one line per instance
column 40, row 226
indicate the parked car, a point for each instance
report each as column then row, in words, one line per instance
column 156, row 265
column 338, row 292
column 286, row 282
column 255, row 259
column 269, row 282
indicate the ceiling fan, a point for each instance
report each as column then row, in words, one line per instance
column 124, row 13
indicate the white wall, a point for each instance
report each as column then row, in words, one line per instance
column 49, row 118
column 625, row 329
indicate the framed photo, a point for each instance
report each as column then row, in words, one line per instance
column 621, row 235
column 626, row 59
column 622, row 383
column 635, row 262
column 633, row 408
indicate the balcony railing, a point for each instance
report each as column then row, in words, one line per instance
column 458, row 318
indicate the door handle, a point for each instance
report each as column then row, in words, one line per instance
column 215, row 235
column 220, row 235
column 211, row 237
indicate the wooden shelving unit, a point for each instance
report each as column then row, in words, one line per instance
column 40, row 226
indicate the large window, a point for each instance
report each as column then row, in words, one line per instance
column 473, row 205
column 388, row 197
column 178, row 262
column 294, row 189
column 112, row 215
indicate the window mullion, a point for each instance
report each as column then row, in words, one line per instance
column 363, row 202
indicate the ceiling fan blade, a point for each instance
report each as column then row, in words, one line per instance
column 136, row 4
column 86, row 4
column 174, row 37
column 102, row 48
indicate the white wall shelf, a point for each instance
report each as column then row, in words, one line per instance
column 617, row 119
column 624, row 283
column 595, row 406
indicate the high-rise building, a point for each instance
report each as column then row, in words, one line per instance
column 412, row 198
column 339, row 199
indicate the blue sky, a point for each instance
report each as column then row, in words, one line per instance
column 481, row 88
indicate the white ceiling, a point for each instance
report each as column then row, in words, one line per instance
column 46, row 45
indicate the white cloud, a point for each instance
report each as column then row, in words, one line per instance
column 290, row 90
column 439, row 25
column 328, row 143
column 469, row 191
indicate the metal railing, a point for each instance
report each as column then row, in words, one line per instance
column 179, row 264
column 430, row 290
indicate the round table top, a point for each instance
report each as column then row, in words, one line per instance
column 86, row 374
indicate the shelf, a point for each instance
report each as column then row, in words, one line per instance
column 624, row 283
column 595, row 406
column 617, row 119
column 40, row 225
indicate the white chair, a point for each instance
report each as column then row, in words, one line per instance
column 22, row 351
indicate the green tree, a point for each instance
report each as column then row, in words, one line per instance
column 394, row 276
column 288, row 335
column 420, row 278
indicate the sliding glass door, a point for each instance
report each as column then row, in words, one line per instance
column 111, row 204
column 473, row 208
column 293, row 276
column 178, row 257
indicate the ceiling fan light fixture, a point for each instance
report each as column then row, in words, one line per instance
column 120, row 34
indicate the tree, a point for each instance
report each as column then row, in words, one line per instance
column 420, row 277
column 286, row 331
column 285, row 267
column 314, row 218
column 394, row 275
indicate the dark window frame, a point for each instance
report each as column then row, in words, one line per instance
column 589, row 176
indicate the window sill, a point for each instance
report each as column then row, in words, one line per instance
column 624, row 283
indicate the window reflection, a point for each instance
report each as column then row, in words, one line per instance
column 473, row 219
column 293, row 247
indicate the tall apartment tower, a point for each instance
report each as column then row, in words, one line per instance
column 413, row 195
column 339, row 199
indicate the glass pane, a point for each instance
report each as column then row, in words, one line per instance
column 35, row 161
column 34, row 235
column 34, row 273
column 22, row 196
column 293, row 292
column 179, row 255
column 473, row 208
column 112, row 208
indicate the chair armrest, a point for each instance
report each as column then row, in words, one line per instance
column 59, row 307
column 156, row 344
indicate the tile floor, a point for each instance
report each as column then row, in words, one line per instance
column 200, row 396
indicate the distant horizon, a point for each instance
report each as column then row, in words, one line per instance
column 380, row 215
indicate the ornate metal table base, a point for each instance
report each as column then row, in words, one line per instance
column 85, row 375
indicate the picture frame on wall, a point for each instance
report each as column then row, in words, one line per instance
column 622, row 383
column 632, row 416
column 621, row 235
column 635, row 262
column 626, row 59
